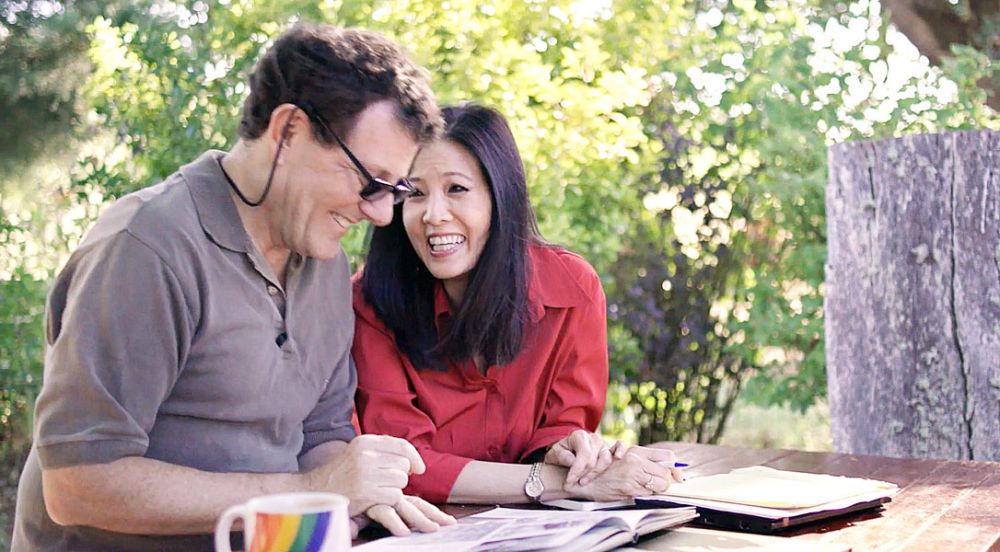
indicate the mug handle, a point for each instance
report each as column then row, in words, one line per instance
column 225, row 526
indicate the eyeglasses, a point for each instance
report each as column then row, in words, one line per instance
column 374, row 188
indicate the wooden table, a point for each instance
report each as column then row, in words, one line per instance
column 942, row 506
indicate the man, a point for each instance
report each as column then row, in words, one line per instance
column 199, row 338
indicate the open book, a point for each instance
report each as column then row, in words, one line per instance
column 588, row 505
column 509, row 530
column 765, row 499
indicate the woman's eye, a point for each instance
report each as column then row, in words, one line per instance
column 457, row 188
column 416, row 193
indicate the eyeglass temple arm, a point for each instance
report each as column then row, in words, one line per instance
column 343, row 146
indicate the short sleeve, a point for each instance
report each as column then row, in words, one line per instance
column 331, row 420
column 118, row 329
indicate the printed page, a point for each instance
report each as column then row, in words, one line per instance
column 630, row 518
column 559, row 535
column 583, row 531
column 511, row 529
column 539, row 528
column 465, row 535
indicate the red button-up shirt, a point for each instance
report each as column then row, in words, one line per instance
column 557, row 384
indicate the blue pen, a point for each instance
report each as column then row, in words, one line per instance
column 674, row 465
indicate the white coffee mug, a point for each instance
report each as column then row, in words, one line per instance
column 293, row 522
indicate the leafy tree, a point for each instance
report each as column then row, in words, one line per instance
column 943, row 31
column 680, row 146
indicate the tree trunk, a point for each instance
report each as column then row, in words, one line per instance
column 913, row 296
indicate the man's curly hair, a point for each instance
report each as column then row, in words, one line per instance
column 338, row 72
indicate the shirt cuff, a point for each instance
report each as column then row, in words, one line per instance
column 79, row 453
column 434, row 485
column 313, row 439
column 545, row 437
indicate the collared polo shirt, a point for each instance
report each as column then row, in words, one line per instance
column 557, row 384
column 169, row 337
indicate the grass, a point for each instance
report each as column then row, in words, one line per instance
column 779, row 427
column 10, row 471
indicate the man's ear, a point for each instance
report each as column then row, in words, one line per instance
column 286, row 120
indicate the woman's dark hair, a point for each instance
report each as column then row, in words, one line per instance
column 338, row 73
column 492, row 317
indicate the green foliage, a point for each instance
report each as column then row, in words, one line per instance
column 22, row 299
column 679, row 146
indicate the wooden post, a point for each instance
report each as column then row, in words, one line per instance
column 912, row 306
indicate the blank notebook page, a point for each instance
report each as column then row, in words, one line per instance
column 771, row 488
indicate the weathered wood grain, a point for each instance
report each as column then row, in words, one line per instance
column 942, row 505
column 912, row 305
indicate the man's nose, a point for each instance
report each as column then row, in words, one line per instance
column 378, row 211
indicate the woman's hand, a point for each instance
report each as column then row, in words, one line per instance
column 586, row 455
column 638, row 473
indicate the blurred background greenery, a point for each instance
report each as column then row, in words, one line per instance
column 680, row 145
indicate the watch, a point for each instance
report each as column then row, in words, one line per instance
column 533, row 487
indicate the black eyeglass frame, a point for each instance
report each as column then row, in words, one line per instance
column 375, row 188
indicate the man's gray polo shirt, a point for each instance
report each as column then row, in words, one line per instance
column 169, row 337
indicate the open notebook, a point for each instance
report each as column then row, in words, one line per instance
column 764, row 499
column 512, row 530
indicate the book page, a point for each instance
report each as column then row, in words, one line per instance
column 771, row 488
column 587, row 505
column 511, row 529
column 453, row 538
column 630, row 519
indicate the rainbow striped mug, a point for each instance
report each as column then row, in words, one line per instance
column 294, row 522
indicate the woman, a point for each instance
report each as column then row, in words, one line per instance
column 484, row 346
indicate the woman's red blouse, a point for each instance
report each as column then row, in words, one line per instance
column 557, row 384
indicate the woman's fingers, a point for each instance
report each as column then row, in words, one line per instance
column 654, row 454
column 677, row 475
column 604, row 459
column 558, row 455
column 653, row 484
column 582, row 445
column 618, row 450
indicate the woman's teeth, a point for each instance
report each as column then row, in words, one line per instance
column 440, row 244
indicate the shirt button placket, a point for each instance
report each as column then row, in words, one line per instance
column 281, row 331
column 491, row 415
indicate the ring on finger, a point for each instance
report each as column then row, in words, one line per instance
column 649, row 484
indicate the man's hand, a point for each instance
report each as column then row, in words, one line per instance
column 372, row 469
column 410, row 512
column 586, row 455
